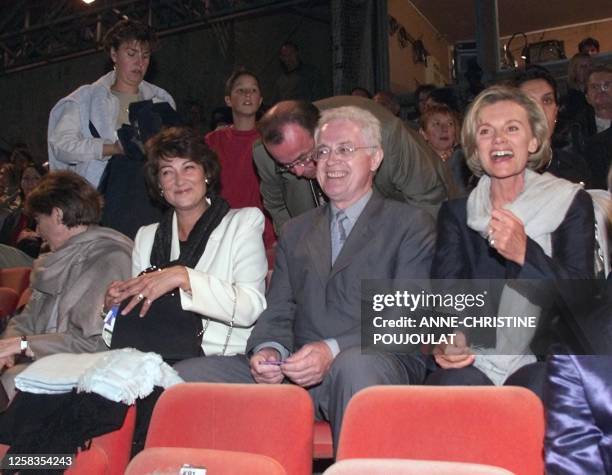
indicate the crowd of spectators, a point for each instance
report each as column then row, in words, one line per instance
column 332, row 192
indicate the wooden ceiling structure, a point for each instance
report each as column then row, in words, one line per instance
column 456, row 19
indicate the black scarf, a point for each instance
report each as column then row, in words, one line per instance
column 193, row 248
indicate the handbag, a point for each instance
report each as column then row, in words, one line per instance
column 166, row 329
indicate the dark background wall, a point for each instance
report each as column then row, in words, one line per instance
column 192, row 66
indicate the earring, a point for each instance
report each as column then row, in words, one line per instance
column 206, row 181
column 161, row 191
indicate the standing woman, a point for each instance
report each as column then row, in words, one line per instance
column 234, row 146
column 82, row 133
column 516, row 224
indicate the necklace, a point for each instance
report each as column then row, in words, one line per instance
column 445, row 156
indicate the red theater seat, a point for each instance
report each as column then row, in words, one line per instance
column 217, row 462
column 8, row 301
column 497, row 426
column 272, row 420
column 16, row 278
column 410, row 467
column 323, row 447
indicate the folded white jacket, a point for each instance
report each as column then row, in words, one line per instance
column 119, row 375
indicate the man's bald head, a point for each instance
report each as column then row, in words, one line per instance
column 301, row 113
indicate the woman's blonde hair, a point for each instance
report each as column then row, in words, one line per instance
column 535, row 115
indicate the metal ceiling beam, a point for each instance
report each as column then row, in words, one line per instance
column 37, row 32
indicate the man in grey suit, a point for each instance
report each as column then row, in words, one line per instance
column 411, row 172
column 310, row 332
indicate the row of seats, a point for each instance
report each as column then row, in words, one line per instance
column 217, row 423
column 268, row 429
column 490, row 428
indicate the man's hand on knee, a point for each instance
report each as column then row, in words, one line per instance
column 262, row 371
column 309, row 365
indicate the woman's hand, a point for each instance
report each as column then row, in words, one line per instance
column 150, row 286
column 456, row 355
column 507, row 235
column 110, row 149
column 114, row 295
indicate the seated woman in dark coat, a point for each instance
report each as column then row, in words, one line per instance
column 516, row 224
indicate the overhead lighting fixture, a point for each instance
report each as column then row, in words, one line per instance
column 88, row 1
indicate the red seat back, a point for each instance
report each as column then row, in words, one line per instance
column 273, row 420
column 217, row 462
column 410, row 467
column 498, row 426
column 16, row 278
column 8, row 301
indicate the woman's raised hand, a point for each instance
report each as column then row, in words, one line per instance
column 507, row 235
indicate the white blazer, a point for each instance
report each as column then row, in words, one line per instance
column 229, row 278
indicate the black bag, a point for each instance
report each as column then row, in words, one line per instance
column 166, row 329
column 127, row 204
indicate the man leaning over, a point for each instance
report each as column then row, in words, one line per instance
column 409, row 173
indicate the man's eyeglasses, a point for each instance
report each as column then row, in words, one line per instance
column 600, row 86
column 343, row 151
column 301, row 161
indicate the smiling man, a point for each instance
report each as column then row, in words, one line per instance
column 310, row 333
column 410, row 172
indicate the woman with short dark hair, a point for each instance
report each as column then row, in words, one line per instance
column 68, row 284
column 180, row 142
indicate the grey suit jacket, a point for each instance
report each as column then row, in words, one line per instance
column 308, row 300
column 410, row 171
